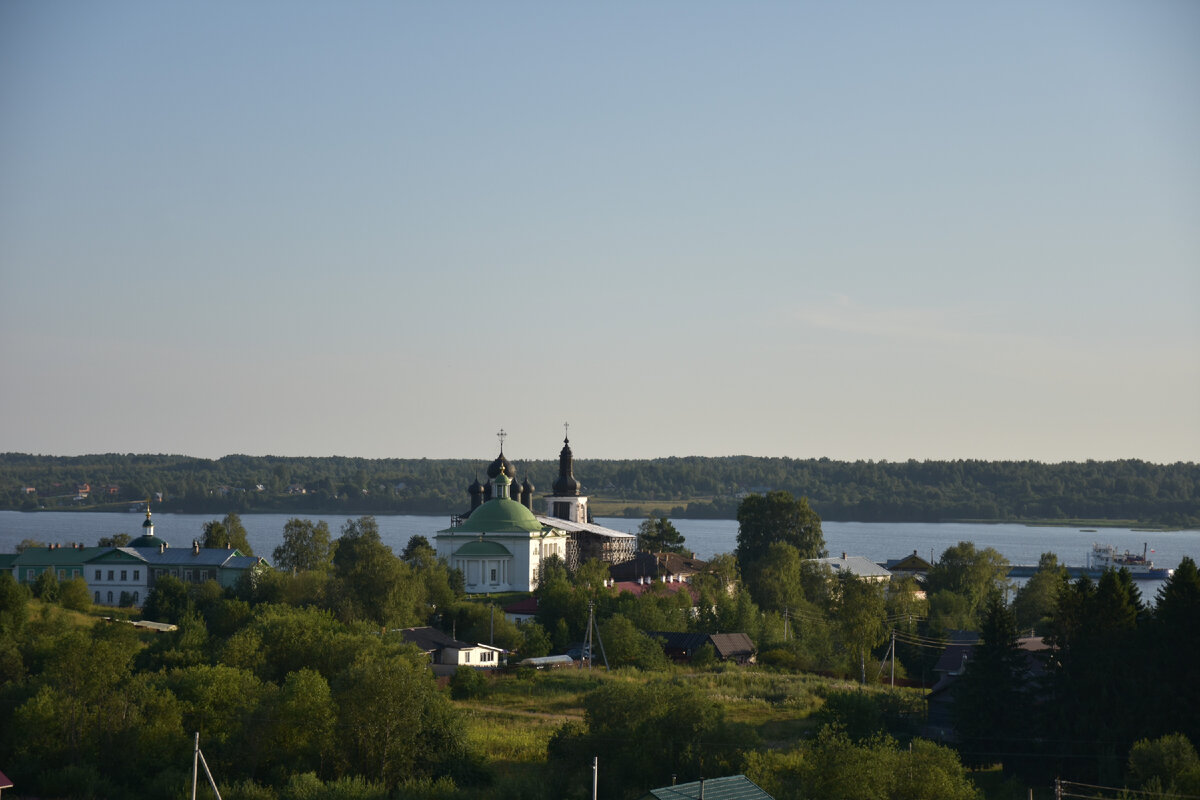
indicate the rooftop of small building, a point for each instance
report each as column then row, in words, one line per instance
column 733, row 787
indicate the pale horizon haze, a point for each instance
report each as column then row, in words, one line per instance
column 871, row 230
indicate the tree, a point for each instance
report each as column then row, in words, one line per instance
column 306, row 547
column 1167, row 765
column 535, row 642
column 418, row 549
column 45, row 586
column 26, row 544
column 775, row 517
column 626, row 646
column 1035, row 601
column 370, row 582
column 168, row 601
column 658, row 535
column 1176, row 638
column 229, row 533
column 991, row 711
column 116, row 540
column 303, row 718
column 394, row 723
column 859, row 616
column 74, row 595
column 645, row 733
column 789, row 581
column 969, row 573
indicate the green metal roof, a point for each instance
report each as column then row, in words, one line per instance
column 733, row 787
column 479, row 548
column 57, row 556
column 500, row 515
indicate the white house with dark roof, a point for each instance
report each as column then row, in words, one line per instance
column 447, row 651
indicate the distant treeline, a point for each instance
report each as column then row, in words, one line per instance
column 699, row 487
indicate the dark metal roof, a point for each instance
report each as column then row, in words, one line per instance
column 431, row 639
column 727, row 645
column 733, row 787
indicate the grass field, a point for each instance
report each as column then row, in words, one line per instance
column 518, row 713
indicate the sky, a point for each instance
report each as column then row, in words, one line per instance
column 869, row 230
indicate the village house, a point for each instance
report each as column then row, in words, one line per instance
column 446, row 651
column 908, row 567
column 735, row 647
column 857, row 566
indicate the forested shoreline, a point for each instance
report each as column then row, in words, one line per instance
column 1129, row 491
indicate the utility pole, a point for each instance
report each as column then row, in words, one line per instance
column 595, row 775
column 197, row 762
column 893, row 658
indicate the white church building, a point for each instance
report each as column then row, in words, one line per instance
column 500, row 544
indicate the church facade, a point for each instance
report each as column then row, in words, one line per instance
column 500, row 543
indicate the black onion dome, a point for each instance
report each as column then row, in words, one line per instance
column 527, row 487
column 475, row 488
column 566, row 483
column 501, row 463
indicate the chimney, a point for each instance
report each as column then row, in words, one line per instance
column 843, row 556
column 195, row 547
column 162, row 547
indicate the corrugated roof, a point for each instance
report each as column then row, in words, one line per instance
column 733, row 787
column 856, row 565
column 589, row 527
column 180, row 557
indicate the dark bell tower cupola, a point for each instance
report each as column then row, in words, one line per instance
column 565, row 484
column 566, row 500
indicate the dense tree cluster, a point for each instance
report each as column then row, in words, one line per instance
column 925, row 491
column 1118, row 672
column 301, row 686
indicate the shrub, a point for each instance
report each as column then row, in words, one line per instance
column 467, row 684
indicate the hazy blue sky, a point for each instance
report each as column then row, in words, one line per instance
column 857, row 230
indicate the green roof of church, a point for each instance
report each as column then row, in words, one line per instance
column 482, row 549
column 500, row 515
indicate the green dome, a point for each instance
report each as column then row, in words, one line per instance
column 482, row 549
column 500, row 515
column 146, row 540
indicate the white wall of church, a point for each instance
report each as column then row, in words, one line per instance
column 497, row 574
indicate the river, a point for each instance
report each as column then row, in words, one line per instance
column 878, row 541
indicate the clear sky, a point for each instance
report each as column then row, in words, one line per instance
column 868, row 230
